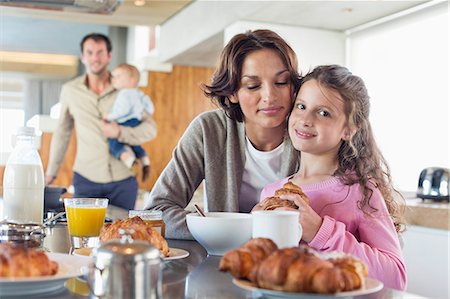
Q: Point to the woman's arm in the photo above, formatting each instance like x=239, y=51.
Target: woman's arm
x=176, y=185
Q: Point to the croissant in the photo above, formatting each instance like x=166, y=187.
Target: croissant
x=271, y=203
x=19, y=261
x=242, y=262
x=142, y=231
x=300, y=269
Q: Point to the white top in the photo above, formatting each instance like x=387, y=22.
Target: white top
x=261, y=168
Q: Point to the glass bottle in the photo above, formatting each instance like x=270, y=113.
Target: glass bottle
x=23, y=181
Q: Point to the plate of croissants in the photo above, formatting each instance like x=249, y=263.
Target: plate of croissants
x=30, y=271
x=144, y=232
x=259, y=266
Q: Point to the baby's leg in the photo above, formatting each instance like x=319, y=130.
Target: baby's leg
x=128, y=157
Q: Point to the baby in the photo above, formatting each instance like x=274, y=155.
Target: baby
x=127, y=111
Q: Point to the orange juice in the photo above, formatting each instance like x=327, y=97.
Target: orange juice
x=85, y=221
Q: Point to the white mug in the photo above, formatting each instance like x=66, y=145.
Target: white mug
x=283, y=227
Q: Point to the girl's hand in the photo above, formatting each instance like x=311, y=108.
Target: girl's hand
x=309, y=219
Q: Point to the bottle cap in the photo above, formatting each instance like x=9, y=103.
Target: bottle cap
x=27, y=131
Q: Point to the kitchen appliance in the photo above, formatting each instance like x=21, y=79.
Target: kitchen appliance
x=52, y=199
x=434, y=183
x=26, y=234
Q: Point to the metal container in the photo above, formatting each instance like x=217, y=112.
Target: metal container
x=27, y=234
x=126, y=269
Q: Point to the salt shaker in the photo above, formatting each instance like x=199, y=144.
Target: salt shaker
x=126, y=268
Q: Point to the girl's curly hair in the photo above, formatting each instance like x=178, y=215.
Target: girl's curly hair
x=360, y=159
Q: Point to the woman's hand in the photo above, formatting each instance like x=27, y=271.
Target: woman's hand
x=309, y=219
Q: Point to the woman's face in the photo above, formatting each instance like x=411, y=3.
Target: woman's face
x=317, y=124
x=265, y=91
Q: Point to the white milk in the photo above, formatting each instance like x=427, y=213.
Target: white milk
x=23, y=193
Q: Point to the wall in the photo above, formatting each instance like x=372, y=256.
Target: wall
x=312, y=46
x=178, y=99
x=404, y=63
x=27, y=34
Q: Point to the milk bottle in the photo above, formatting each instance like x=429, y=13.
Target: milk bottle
x=23, y=181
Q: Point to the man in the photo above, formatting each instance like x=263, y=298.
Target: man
x=83, y=101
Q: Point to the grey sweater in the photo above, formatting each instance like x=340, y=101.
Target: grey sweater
x=211, y=149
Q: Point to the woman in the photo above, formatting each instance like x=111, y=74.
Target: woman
x=241, y=147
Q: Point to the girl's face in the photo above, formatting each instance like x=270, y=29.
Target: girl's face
x=121, y=79
x=317, y=124
x=265, y=91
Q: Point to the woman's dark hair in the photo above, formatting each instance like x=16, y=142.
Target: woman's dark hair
x=97, y=37
x=360, y=160
x=226, y=80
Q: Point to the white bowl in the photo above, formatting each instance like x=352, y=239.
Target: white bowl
x=220, y=232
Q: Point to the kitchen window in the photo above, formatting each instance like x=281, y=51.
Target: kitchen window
x=12, y=114
x=404, y=63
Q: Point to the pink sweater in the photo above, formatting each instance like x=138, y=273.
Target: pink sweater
x=346, y=228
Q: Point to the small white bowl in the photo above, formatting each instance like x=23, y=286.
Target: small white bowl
x=220, y=232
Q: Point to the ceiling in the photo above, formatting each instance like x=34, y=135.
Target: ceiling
x=152, y=13
x=328, y=15
x=332, y=15
x=188, y=20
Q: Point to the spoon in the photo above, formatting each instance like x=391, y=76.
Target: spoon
x=199, y=210
x=51, y=219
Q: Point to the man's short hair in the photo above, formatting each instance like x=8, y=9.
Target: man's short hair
x=97, y=37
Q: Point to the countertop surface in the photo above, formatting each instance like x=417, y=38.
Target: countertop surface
x=195, y=276
x=427, y=213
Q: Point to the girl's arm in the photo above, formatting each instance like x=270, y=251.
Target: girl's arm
x=375, y=242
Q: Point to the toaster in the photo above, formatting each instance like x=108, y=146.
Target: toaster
x=434, y=183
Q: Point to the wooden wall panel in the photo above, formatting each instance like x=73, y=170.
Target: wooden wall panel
x=65, y=173
x=177, y=98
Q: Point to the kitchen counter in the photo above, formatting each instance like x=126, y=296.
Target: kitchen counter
x=427, y=213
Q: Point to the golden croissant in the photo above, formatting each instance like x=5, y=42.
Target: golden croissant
x=301, y=270
x=273, y=202
x=20, y=261
x=242, y=261
x=141, y=231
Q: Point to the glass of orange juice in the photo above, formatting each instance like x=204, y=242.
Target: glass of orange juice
x=85, y=218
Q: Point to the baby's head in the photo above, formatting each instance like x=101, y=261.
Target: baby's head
x=125, y=76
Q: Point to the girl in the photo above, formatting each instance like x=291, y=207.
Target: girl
x=243, y=146
x=344, y=174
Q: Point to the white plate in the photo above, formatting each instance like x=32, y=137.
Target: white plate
x=371, y=286
x=174, y=253
x=68, y=266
